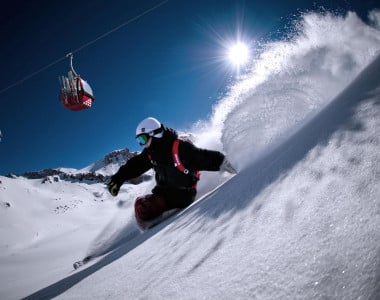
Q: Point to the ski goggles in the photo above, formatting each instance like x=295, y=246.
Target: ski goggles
x=143, y=139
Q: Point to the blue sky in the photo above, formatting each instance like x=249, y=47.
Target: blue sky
x=166, y=64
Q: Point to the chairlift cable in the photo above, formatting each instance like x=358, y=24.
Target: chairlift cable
x=120, y=26
x=32, y=74
x=83, y=46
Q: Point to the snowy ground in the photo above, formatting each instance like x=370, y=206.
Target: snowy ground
x=301, y=220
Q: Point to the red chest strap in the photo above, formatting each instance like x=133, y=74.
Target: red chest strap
x=178, y=164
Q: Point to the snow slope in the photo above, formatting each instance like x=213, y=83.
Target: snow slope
x=301, y=220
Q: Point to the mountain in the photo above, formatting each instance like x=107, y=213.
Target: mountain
x=99, y=172
x=109, y=164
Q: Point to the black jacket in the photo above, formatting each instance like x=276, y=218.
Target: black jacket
x=160, y=157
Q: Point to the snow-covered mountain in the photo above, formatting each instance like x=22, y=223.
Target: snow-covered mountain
x=98, y=172
x=301, y=219
x=109, y=164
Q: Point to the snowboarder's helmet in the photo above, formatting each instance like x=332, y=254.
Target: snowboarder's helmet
x=149, y=127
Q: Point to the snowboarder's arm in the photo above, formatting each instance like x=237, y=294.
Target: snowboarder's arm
x=133, y=168
x=200, y=159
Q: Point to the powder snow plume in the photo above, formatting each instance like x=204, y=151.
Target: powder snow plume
x=301, y=75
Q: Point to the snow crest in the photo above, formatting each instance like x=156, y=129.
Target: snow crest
x=288, y=83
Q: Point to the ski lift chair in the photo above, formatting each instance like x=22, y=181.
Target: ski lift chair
x=76, y=93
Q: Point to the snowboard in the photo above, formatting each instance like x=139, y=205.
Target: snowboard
x=146, y=225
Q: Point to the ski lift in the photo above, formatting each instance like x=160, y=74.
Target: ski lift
x=76, y=93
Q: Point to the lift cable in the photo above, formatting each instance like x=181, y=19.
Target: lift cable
x=83, y=46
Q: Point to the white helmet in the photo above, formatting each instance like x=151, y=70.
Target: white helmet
x=150, y=126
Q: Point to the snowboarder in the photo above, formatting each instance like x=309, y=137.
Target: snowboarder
x=176, y=164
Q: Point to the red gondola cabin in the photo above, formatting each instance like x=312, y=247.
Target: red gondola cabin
x=76, y=93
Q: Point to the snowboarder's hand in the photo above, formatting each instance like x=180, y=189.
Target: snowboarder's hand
x=113, y=188
x=227, y=167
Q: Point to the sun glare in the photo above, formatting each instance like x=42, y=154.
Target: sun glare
x=238, y=54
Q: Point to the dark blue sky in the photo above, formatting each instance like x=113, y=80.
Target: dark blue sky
x=165, y=64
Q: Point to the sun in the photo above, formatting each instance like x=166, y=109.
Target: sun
x=238, y=54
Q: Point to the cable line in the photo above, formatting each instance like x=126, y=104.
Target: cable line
x=32, y=74
x=84, y=46
x=120, y=26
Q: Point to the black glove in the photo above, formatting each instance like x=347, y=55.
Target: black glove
x=113, y=188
